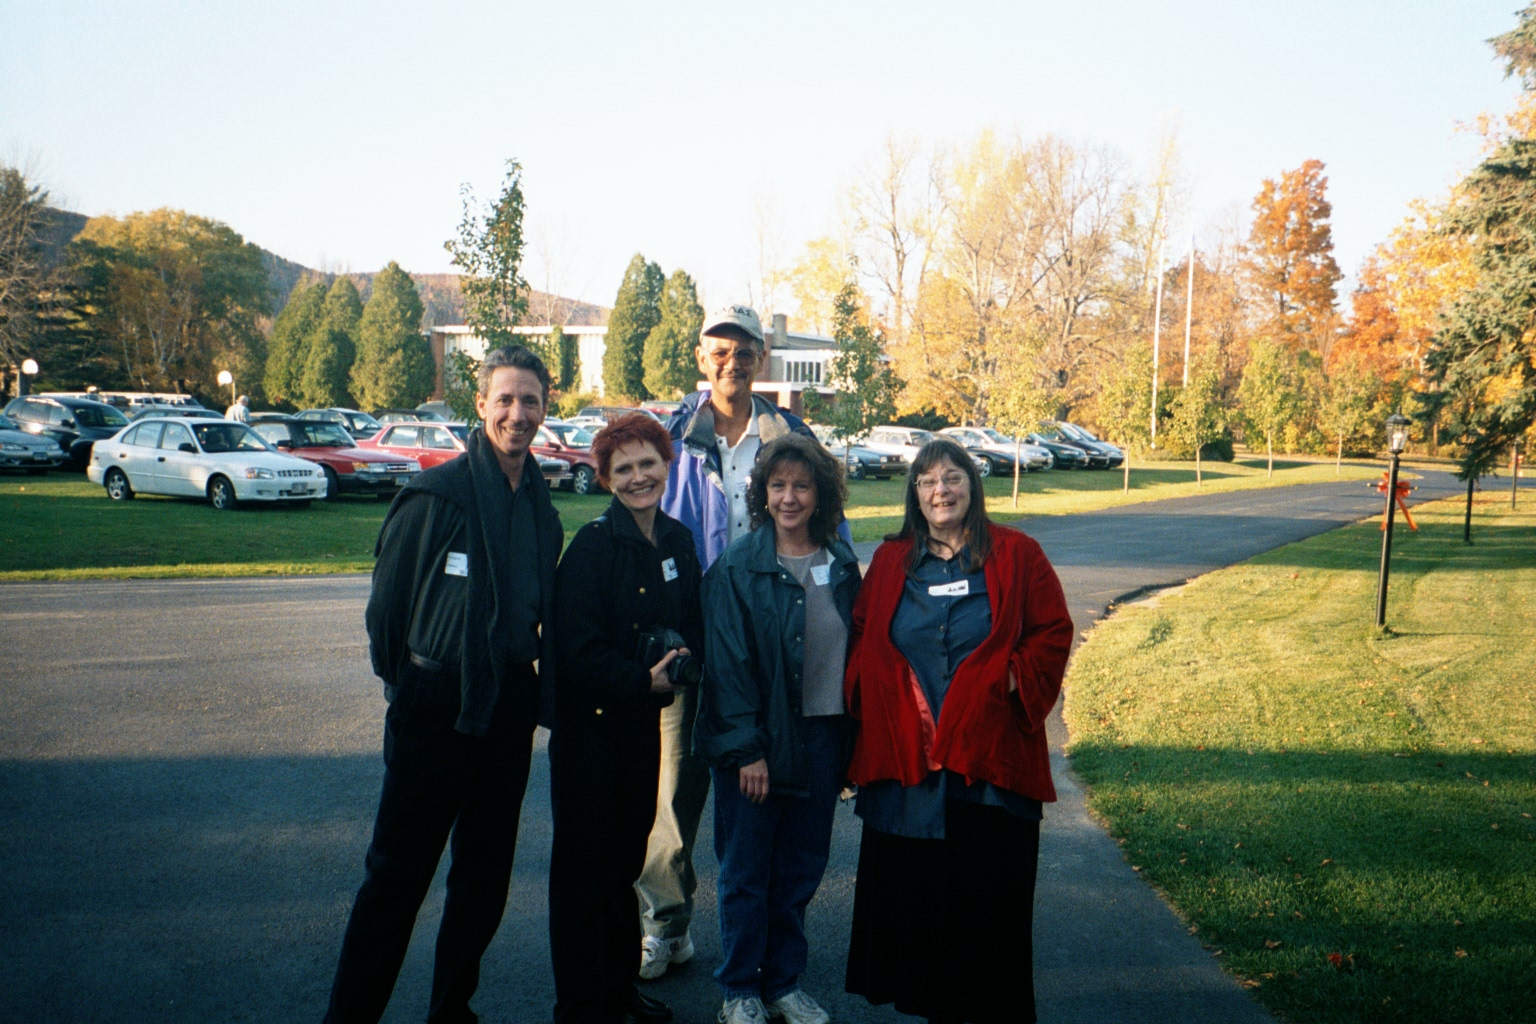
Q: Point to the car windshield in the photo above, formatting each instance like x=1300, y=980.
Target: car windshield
x=216, y=436
x=315, y=434
x=361, y=423
x=99, y=415
x=576, y=437
x=1075, y=432
x=997, y=435
x=459, y=430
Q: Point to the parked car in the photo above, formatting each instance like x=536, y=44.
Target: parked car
x=1100, y=455
x=609, y=413
x=408, y=416
x=860, y=461
x=358, y=424
x=431, y=444
x=74, y=424
x=582, y=462
x=221, y=460
x=138, y=412
x=348, y=468
x=664, y=410
x=1066, y=456
x=21, y=450
x=433, y=410
x=907, y=442
x=998, y=449
x=572, y=434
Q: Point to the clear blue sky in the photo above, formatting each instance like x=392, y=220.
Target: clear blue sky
x=337, y=135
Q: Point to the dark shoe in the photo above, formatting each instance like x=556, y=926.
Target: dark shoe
x=645, y=1010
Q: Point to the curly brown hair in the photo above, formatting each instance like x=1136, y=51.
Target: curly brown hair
x=826, y=474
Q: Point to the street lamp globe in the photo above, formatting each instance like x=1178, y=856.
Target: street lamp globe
x=1397, y=432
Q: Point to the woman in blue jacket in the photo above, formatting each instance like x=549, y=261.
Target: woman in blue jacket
x=777, y=607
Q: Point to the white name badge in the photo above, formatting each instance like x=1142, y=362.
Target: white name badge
x=456, y=564
x=820, y=574
x=959, y=588
x=669, y=570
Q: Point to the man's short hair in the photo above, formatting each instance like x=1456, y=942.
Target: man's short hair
x=735, y=319
x=515, y=356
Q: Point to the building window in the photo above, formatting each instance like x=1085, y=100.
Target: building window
x=802, y=372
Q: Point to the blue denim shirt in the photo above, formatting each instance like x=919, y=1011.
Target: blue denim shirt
x=935, y=632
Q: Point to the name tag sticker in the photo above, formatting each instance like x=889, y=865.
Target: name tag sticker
x=669, y=570
x=959, y=588
x=456, y=564
x=820, y=574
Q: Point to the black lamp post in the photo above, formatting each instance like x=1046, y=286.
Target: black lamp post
x=1397, y=440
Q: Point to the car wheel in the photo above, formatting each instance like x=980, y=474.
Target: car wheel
x=118, y=488
x=221, y=494
x=855, y=470
x=582, y=479
x=984, y=467
x=332, y=484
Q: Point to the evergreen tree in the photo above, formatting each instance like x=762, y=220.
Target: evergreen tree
x=636, y=311
x=563, y=357
x=489, y=250
x=859, y=373
x=671, y=370
x=1483, y=360
x=323, y=382
x=288, y=351
x=394, y=362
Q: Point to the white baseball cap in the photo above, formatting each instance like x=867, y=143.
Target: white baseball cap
x=743, y=318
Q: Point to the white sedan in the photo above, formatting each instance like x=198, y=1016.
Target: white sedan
x=221, y=460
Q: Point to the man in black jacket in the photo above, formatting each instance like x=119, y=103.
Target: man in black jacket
x=464, y=576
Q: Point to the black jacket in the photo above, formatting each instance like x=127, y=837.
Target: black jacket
x=437, y=615
x=612, y=586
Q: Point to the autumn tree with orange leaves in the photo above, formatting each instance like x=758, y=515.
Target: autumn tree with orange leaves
x=1290, y=259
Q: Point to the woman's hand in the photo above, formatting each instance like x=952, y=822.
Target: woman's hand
x=660, y=681
x=754, y=780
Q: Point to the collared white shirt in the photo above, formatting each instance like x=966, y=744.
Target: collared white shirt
x=735, y=472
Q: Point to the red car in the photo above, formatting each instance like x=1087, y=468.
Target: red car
x=348, y=468
x=582, y=462
x=434, y=443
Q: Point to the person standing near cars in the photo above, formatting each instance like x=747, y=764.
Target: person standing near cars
x=718, y=432
x=464, y=577
x=777, y=608
x=628, y=635
x=240, y=411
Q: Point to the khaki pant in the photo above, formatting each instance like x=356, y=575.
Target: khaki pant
x=667, y=881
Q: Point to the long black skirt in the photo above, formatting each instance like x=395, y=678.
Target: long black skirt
x=942, y=927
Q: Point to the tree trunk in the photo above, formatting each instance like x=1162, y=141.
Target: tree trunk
x=1269, y=451
x=1466, y=526
x=1338, y=459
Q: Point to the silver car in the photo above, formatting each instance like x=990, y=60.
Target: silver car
x=221, y=460
x=21, y=450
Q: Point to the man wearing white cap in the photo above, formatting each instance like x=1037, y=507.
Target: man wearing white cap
x=717, y=434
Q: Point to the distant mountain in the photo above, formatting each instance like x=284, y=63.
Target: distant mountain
x=439, y=293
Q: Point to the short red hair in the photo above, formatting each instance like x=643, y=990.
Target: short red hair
x=636, y=426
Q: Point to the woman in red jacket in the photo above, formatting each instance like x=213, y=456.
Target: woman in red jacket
x=959, y=643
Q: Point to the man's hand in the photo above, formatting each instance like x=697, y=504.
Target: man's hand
x=754, y=780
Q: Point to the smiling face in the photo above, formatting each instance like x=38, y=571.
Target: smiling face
x=943, y=496
x=637, y=475
x=791, y=494
x=729, y=361
x=512, y=408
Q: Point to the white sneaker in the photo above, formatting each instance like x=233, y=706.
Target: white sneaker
x=656, y=954
x=742, y=1010
x=795, y=1007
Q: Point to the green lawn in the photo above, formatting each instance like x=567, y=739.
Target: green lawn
x=1344, y=816
x=60, y=526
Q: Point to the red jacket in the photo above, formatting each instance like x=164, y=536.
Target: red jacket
x=983, y=731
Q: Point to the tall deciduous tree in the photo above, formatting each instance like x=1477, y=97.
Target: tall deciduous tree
x=1270, y=394
x=671, y=370
x=636, y=311
x=1125, y=404
x=288, y=349
x=864, y=385
x=394, y=362
x=181, y=295
x=1291, y=258
x=23, y=207
x=489, y=252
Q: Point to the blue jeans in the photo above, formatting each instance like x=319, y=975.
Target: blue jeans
x=772, y=856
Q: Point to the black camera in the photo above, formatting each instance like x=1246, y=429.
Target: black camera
x=684, y=670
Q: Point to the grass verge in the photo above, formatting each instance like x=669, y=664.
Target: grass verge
x=1343, y=815
x=60, y=526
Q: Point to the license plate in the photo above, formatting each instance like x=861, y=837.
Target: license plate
x=298, y=489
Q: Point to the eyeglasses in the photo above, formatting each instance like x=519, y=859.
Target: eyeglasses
x=951, y=481
x=723, y=356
